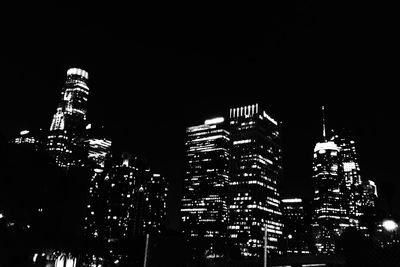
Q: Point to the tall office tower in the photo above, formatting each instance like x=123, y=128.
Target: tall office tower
x=329, y=202
x=65, y=142
x=155, y=193
x=351, y=174
x=204, y=209
x=254, y=186
x=297, y=237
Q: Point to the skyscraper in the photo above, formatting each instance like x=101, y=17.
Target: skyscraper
x=297, y=238
x=67, y=128
x=204, y=209
x=351, y=175
x=254, y=202
x=329, y=203
x=155, y=193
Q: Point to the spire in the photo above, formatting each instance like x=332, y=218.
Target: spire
x=323, y=124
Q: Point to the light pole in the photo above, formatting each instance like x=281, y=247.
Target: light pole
x=287, y=242
x=265, y=245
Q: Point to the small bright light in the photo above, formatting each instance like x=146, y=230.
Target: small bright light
x=24, y=132
x=290, y=236
x=1, y=215
x=389, y=225
x=292, y=200
x=214, y=121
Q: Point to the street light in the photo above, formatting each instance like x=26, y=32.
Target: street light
x=390, y=225
x=289, y=236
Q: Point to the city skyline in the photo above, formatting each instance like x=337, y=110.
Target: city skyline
x=292, y=185
x=100, y=164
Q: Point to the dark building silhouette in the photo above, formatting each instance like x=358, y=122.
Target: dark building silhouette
x=126, y=202
x=297, y=236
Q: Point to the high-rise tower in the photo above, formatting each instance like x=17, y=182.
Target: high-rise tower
x=254, y=187
x=204, y=209
x=329, y=202
x=67, y=128
x=351, y=175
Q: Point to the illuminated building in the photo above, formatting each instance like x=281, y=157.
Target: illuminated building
x=155, y=193
x=126, y=201
x=256, y=173
x=124, y=198
x=329, y=203
x=369, y=194
x=204, y=209
x=31, y=139
x=351, y=175
x=369, y=212
x=68, y=125
x=99, y=150
x=297, y=238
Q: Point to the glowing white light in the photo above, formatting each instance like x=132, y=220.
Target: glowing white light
x=292, y=200
x=1, y=215
x=214, y=121
x=24, y=132
x=70, y=262
x=372, y=183
x=326, y=146
x=290, y=236
x=349, y=166
x=89, y=126
x=60, y=261
x=76, y=71
x=389, y=225
x=270, y=118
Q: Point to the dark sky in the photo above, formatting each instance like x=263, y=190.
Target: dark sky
x=155, y=70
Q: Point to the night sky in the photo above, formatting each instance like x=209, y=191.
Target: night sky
x=154, y=71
